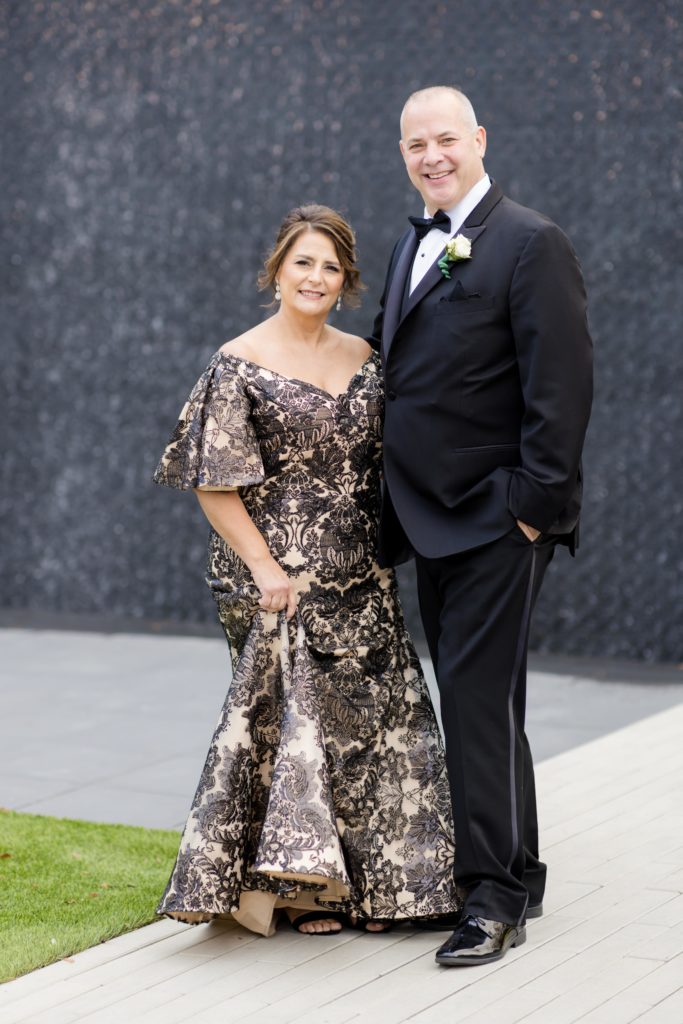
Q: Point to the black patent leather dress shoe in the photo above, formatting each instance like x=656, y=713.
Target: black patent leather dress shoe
x=442, y=923
x=476, y=940
x=534, y=910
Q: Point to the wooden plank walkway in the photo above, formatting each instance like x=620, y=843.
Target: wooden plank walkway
x=609, y=949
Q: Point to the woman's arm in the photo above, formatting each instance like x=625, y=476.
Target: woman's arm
x=226, y=512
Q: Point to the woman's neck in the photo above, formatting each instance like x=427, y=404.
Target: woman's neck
x=309, y=331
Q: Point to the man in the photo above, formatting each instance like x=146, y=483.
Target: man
x=488, y=371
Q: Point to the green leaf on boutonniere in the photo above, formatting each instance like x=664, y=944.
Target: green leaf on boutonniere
x=458, y=248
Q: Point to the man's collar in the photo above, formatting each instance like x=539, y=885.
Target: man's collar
x=462, y=209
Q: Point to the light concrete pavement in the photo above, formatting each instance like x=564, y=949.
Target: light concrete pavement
x=115, y=727
x=609, y=949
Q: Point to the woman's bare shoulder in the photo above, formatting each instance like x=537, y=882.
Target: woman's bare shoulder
x=354, y=344
x=244, y=346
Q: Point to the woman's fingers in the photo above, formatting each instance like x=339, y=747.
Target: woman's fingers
x=292, y=602
x=276, y=590
x=281, y=600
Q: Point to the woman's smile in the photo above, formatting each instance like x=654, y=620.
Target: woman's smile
x=308, y=293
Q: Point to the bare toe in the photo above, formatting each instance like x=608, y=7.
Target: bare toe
x=321, y=927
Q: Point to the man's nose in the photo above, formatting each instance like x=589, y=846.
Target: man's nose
x=432, y=153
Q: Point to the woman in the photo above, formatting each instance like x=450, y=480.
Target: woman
x=325, y=788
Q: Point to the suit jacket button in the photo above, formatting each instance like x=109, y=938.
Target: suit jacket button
x=391, y=395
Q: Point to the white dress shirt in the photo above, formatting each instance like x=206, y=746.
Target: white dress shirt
x=434, y=241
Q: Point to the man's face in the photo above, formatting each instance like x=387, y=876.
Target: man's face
x=443, y=154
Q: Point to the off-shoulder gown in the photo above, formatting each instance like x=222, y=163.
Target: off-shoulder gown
x=325, y=782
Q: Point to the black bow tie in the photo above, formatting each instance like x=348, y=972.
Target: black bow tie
x=422, y=225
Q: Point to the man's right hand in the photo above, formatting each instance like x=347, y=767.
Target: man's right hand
x=530, y=532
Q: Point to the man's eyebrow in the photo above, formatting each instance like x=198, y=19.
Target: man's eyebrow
x=439, y=135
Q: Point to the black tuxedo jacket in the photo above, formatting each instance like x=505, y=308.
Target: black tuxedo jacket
x=488, y=381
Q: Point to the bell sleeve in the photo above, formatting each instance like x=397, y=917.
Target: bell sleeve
x=214, y=445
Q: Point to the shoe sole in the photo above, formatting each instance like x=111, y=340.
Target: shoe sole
x=490, y=958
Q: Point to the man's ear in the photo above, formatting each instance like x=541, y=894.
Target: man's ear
x=481, y=140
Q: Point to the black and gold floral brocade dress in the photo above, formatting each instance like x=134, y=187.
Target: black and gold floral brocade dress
x=325, y=783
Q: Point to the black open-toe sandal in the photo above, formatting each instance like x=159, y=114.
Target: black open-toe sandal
x=317, y=915
x=361, y=924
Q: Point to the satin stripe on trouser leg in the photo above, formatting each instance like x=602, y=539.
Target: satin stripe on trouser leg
x=476, y=608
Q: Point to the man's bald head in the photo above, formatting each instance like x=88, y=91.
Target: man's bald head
x=465, y=109
x=442, y=145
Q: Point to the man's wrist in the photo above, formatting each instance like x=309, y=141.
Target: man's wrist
x=529, y=531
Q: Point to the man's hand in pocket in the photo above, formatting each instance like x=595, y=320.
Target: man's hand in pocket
x=529, y=531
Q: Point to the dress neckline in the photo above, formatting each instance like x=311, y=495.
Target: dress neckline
x=298, y=380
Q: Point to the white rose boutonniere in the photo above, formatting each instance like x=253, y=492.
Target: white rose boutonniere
x=458, y=248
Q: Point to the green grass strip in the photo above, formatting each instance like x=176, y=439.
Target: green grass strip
x=67, y=885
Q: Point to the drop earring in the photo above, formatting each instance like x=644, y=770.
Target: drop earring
x=277, y=291
x=339, y=302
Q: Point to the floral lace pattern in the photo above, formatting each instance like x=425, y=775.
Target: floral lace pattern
x=326, y=772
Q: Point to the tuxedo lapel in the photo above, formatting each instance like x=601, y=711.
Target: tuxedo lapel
x=394, y=300
x=396, y=310
x=483, y=209
x=434, y=275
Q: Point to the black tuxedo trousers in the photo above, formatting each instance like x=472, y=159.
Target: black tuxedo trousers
x=476, y=608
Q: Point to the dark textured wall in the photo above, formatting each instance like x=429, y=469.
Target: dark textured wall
x=150, y=151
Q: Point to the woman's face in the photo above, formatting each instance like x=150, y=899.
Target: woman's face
x=310, y=275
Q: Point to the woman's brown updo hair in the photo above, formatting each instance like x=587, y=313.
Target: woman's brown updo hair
x=328, y=222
